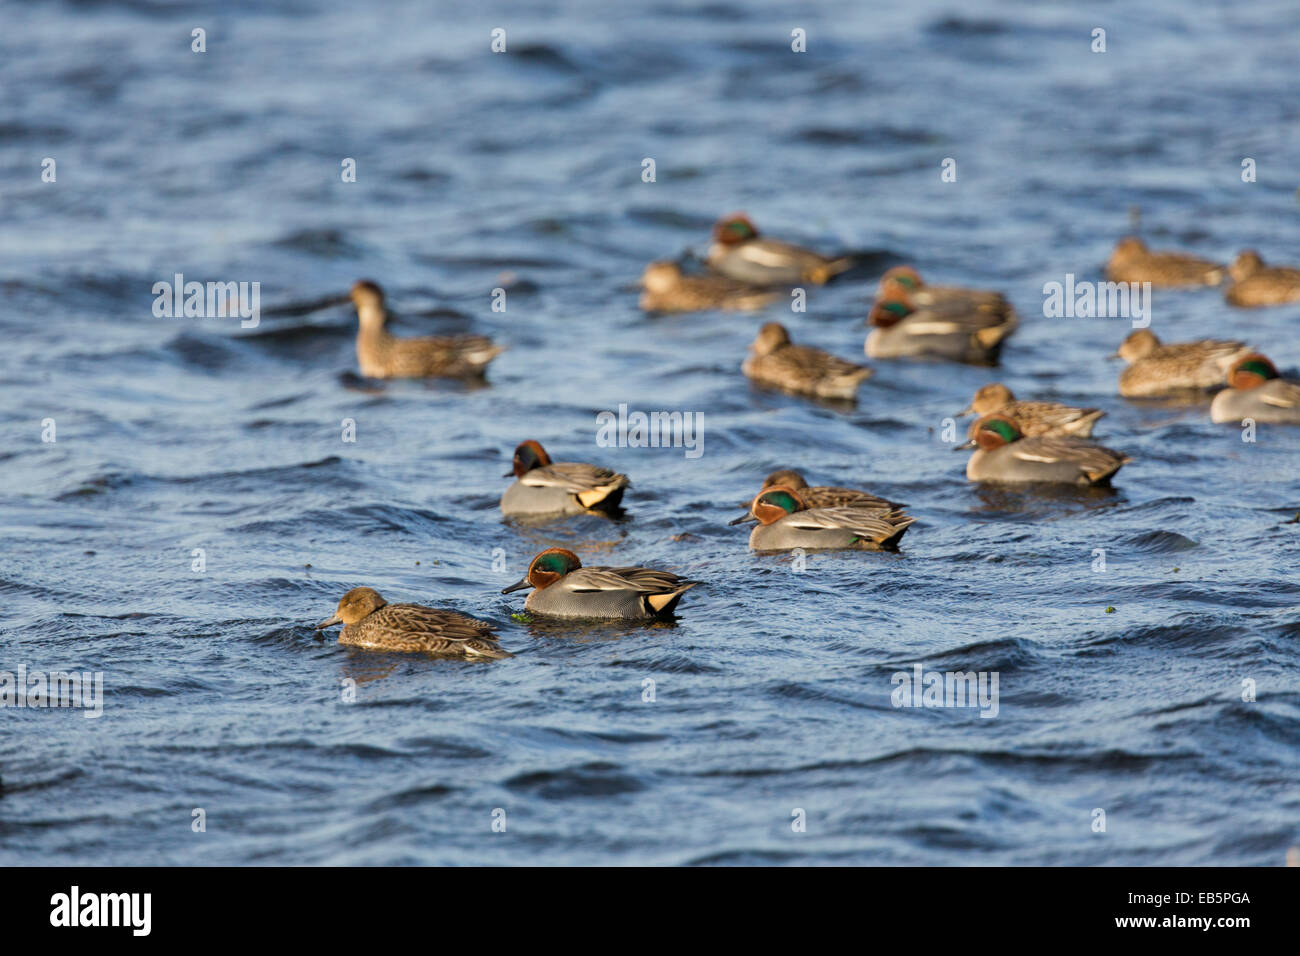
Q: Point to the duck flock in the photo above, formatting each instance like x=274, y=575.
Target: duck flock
x=1013, y=441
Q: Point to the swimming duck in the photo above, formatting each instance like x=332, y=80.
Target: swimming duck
x=785, y=521
x=923, y=295
x=370, y=621
x=818, y=496
x=667, y=289
x=1131, y=261
x=1255, y=284
x=562, y=587
x=738, y=251
x=1002, y=454
x=1155, y=369
x=1256, y=392
x=1047, y=419
x=953, y=330
x=566, y=487
x=382, y=355
x=775, y=361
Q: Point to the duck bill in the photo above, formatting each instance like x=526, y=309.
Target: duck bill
x=968, y=410
x=517, y=586
x=742, y=520
x=508, y=474
x=1112, y=356
x=329, y=622
x=970, y=444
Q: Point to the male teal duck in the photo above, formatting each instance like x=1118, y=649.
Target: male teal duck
x=739, y=252
x=1131, y=261
x=954, y=330
x=562, y=587
x=785, y=521
x=1255, y=391
x=567, y=487
x=370, y=621
x=383, y=355
x=775, y=361
x=668, y=289
x=1156, y=370
x=1255, y=284
x=817, y=496
x=1002, y=454
x=1036, y=419
x=923, y=295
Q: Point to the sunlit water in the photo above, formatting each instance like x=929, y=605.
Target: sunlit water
x=523, y=171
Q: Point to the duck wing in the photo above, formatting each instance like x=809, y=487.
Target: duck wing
x=414, y=621
x=1280, y=393
x=875, y=524
x=1095, y=461
x=574, y=477
x=639, y=580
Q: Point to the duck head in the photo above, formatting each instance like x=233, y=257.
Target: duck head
x=905, y=276
x=771, y=336
x=528, y=455
x=354, y=605
x=1137, y=345
x=991, y=432
x=989, y=398
x=887, y=311
x=1251, y=371
x=660, y=277
x=1128, y=248
x=369, y=300
x=773, y=504
x=786, y=478
x=1247, y=263
x=734, y=229
x=547, y=568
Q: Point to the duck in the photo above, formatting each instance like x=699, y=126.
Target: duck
x=924, y=295
x=801, y=369
x=371, y=622
x=1155, y=369
x=818, y=496
x=668, y=289
x=383, y=355
x=1003, y=454
x=953, y=330
x=1255, y=391
x=1131, y=261
x=785, y=521
x=1255, y=284
x=739, y=252
x=562, y=587
x=1036, y=419
x=568, y=487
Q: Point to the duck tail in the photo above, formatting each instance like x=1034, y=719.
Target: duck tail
x=991, y=337
x=823, y=273
x=665, y=602
x=1103, y=477
x=900, y=529
x=488, y=650
x=607, y=495
x=482, y=356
